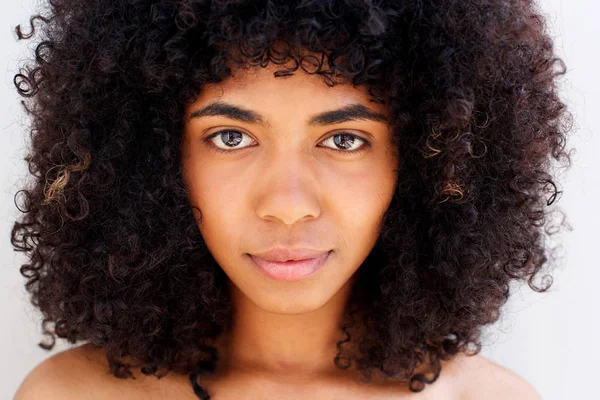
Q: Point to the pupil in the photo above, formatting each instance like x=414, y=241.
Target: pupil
x=228, y=142
x=337, y=141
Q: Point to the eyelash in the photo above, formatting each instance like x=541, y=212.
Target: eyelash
x=360, y=150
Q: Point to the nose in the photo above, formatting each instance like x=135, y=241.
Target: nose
x=289, y=189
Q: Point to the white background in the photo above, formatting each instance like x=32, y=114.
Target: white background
x=550, y=339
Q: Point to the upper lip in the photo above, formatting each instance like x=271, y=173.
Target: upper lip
x=281, y=254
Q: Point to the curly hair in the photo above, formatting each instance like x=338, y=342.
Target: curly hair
x=115, y=257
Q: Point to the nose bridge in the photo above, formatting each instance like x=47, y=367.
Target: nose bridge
x=289, y=186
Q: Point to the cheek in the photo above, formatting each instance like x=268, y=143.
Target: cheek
x=360, y=200
x=208, y=188
x=222, y=224
x=219, y=206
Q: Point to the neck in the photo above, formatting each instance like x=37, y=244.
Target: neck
x=289, y=345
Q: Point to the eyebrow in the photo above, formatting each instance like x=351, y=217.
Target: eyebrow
x=351, y=112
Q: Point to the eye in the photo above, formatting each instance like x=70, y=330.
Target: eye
x=348, y=140
x=231, y=137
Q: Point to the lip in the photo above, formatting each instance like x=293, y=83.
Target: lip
x=290, y=270
x=281, y=254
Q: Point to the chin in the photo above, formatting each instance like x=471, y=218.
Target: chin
x=294, y=305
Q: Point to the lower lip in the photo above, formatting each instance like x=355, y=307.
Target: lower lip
x=290, y=270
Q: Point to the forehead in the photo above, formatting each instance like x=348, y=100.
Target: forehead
x=259, y=87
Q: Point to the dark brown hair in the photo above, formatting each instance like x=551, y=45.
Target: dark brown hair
x=115, y=255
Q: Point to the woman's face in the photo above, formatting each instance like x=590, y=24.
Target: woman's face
x=287, y=181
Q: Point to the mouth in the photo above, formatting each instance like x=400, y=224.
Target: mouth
x=292, y=270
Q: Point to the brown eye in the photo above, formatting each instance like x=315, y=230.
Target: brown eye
x=226, y=138
x=231, y=138
x=349, y=141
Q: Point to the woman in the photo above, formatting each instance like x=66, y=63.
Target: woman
x=281, y=199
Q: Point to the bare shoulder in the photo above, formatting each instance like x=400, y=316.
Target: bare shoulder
x=481, y=378
x=78, y=373
x=83, y=373
x=61, y=376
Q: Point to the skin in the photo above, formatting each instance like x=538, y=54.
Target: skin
x=81, y=373
x=289, y=185
x=285, y=189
